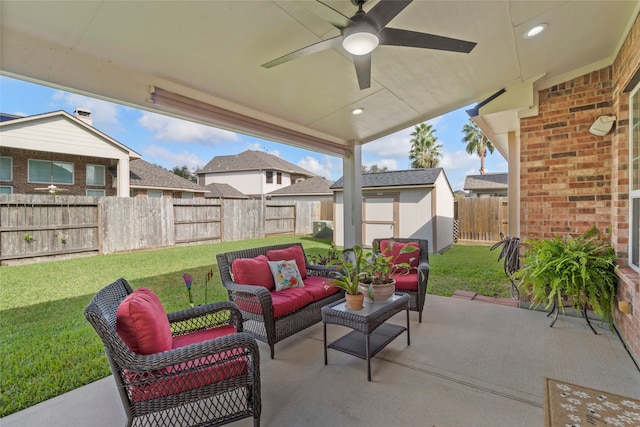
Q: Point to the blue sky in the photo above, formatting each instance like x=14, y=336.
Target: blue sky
x=170, y=142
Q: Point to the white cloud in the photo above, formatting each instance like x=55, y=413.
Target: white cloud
x=458, y=160
x=165, y=128
x=327, y=167
x=104, y=114
x=161, y=156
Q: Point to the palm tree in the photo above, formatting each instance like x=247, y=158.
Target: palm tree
x=477, y=142
x=424, y=147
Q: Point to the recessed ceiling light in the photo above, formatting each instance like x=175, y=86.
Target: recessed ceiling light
x=357, y=111
x=535, y=31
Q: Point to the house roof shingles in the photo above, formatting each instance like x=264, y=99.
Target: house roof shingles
x=488, y=181
x=396, y=178
x=219, y=190
x=252, y=160
x=146, y=175
x=316, y=185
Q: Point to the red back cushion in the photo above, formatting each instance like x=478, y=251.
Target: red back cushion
x=294, y=252
x=387, y=248
x=253, y=271
x=142, y=323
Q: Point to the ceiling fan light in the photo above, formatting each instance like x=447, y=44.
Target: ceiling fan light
x=360, y=43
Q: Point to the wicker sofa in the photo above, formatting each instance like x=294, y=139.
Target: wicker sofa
x=272, y=315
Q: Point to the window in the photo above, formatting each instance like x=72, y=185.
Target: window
x=634, y=181
x=95, y=175
x=6, y=189
x=46, y=172
x=95, y=193
x=187, y=195
x=154, y=194
x=6, y=169
x=279, y=177
x=269, y=177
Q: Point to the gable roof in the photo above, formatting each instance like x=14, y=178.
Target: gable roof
x=19, y=120
x=316, y=185
x=402, y=178
x=252, y=160
x=146, y=175
x=219, y=190
x=488, y=181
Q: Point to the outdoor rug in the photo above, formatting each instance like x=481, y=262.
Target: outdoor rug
x=568, y=405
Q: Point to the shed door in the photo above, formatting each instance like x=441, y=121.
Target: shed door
x=380, y=216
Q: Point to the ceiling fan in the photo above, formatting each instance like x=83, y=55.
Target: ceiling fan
x=52, y=189
x=364, y=31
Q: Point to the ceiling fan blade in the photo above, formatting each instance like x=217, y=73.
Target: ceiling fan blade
x=396, y=37
x=363, y=70
x=317, y=47
x=327, y=13
x=386, y=10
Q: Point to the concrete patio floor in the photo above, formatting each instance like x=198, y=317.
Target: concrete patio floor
x=470, y=363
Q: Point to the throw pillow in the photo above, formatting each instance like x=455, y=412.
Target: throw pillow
x=253, y=271
x=294, y=252
x=393, y=249
x=286, y=274
x=142, y=323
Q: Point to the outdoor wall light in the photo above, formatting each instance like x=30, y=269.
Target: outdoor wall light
x=535, y=31
x=360, y=40
x=602, y=125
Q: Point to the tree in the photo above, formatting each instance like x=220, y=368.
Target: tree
x=476, y=142
x=424, y=147
x=373, y=168
x=185, y=172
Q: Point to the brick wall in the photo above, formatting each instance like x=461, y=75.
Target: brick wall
x=79, y=187
x=571, y=179
x=565, y=170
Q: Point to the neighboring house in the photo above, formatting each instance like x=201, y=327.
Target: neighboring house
x=60, y=150
x=410, y=203
x=223, y=191
x=487, y=185
x=67, y=152
x=312, y=189
x=254, y=173
x=151, y=181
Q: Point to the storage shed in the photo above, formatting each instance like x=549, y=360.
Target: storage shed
x=414, y=203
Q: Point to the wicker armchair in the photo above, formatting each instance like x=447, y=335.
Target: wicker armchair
x=417, y=291
x=204, y=383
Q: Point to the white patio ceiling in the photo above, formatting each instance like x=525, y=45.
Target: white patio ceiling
x=212, y=51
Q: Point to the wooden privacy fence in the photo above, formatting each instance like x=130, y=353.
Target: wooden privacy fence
x=35, y=226
x=481, y=219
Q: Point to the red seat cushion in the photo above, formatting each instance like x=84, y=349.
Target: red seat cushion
x=406, y=282
x=289, y=300
x=187, y=376
x=316, y=287
x=393, y=249
x=294, y=252
x=142, y=323
x=253, y=271
x=199, y=336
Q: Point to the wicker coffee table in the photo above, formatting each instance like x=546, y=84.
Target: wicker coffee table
x=370, y=332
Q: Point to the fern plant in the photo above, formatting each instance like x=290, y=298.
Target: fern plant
x=581, y=269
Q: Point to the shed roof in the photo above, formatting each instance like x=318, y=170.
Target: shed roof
x=252, y=160
x=316, y=185
x=488, y=181
x=218, y=190
x=399, y=178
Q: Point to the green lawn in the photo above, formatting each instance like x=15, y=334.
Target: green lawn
x=48, y=348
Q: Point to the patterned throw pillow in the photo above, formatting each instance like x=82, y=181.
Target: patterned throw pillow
x=286, y=274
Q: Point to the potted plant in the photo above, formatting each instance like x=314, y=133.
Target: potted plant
x=581, y=270
x=346, y=277
x=376, y=278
